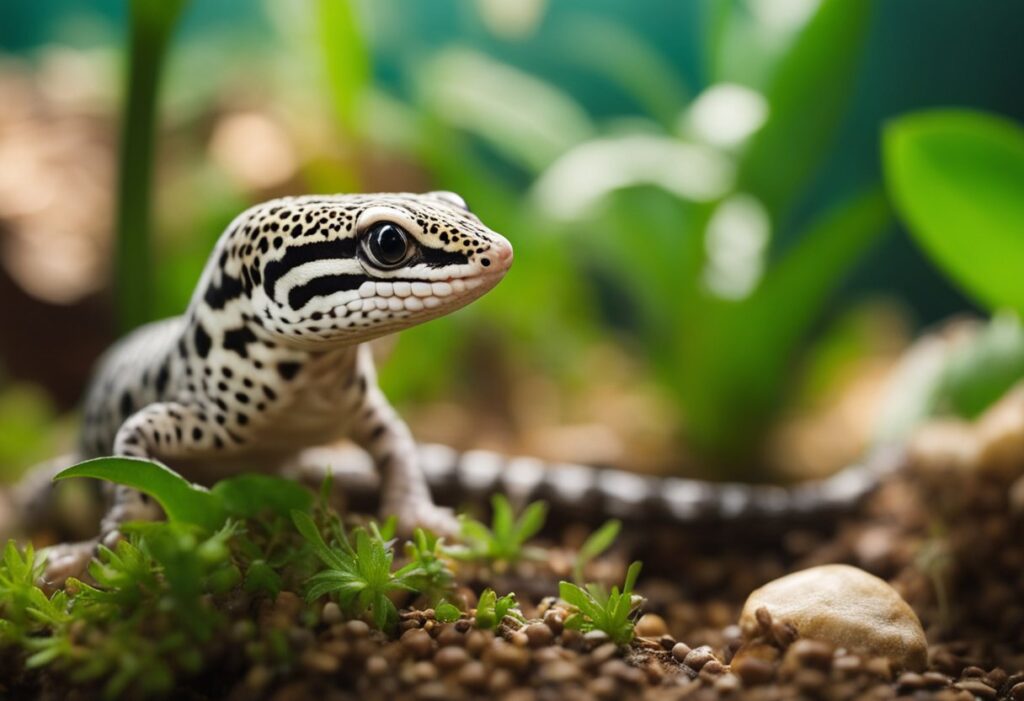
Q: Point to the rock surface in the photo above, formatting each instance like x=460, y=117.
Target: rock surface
x=844, y=606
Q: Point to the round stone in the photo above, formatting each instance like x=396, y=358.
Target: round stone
x=846, y=607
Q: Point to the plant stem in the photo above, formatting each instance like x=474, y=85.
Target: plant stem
x=151, y=25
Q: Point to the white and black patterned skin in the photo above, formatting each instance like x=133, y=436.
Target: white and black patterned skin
x=269, y=358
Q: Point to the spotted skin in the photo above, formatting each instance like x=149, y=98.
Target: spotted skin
x=270, y=357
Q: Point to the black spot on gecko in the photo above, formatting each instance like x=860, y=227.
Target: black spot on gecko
x=162, y=377
x=202, y=340
x=127, y=405
x=236, y=340
x=219, y=295
x=288, y=370
x=197, y=434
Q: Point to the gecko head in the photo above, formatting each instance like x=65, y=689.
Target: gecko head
x=348, y=268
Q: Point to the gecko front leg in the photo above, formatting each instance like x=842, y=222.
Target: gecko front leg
x=381, y=432
x=160, y=431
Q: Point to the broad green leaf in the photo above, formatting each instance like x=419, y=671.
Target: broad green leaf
x=957, y=180
x=806, y=97
x=181, y=500
x=248, y=495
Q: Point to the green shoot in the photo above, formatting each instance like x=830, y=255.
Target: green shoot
x=596, y=609
x=505, y=540
x=433, y=577
x=358, y=575
x=447, y=612
x=492, y=610
x=599, y=541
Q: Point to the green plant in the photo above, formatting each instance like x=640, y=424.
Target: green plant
x=432, y=576
x=447, y=612
x=359, y=575
x=151, y=24
x=699, y=270
x=491, y=609
x=505, y=540
x=597, y=609
x=185, y=502
x=595, y=544
x=955, y=177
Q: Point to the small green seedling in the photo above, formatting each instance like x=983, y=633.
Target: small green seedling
x=599, y=541
x=491, y=610
x=447, y=612
x=433, y=577
x=359, y=576
x=505, y=540
x=596, y=609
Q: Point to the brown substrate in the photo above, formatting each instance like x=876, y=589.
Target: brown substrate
x=951, y=543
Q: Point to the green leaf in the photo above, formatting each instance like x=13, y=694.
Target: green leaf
x=181, y=500
x=447, y=613
x=728, y=389
x=531, y=521
x=261, y=578
x=247, y=496
x=304, y=525
x=598, y=541
x=957, y=179
x=806, y=97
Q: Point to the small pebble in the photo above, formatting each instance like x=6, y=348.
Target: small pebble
x=331, y=613
x=451, y=657
x=357, y=629
x=519, y=639
x=500, y=680
x=727, y=684
x=667, y=642
x=450, y=636
x=623, y=672
x=432, y=691
x=558, y=672
x=320, y=662
x=604, y=688
x=977, y=688
x=473, y=676
x=651, y=625
x=1017, y=692
x=376, y=666
x=424, y=671
x=417, y=642
x=509, y=656
x=602, y=653
x=539, y=634
x=555, y=621
x=680, y=651
x=753, y=671
x=698, y=657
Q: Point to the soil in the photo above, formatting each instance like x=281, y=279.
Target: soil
x=951, y=543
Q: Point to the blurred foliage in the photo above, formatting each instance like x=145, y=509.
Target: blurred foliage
x=151, y=23
x=692, y=232
x=957, y=178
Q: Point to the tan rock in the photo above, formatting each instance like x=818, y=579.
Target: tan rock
x=844, y=606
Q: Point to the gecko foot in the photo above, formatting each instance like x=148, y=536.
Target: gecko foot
x=423, y=514
x=66, y=560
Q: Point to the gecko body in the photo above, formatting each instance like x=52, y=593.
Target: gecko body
x=271, y=356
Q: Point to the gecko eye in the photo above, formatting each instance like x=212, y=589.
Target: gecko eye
x=387, y=245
